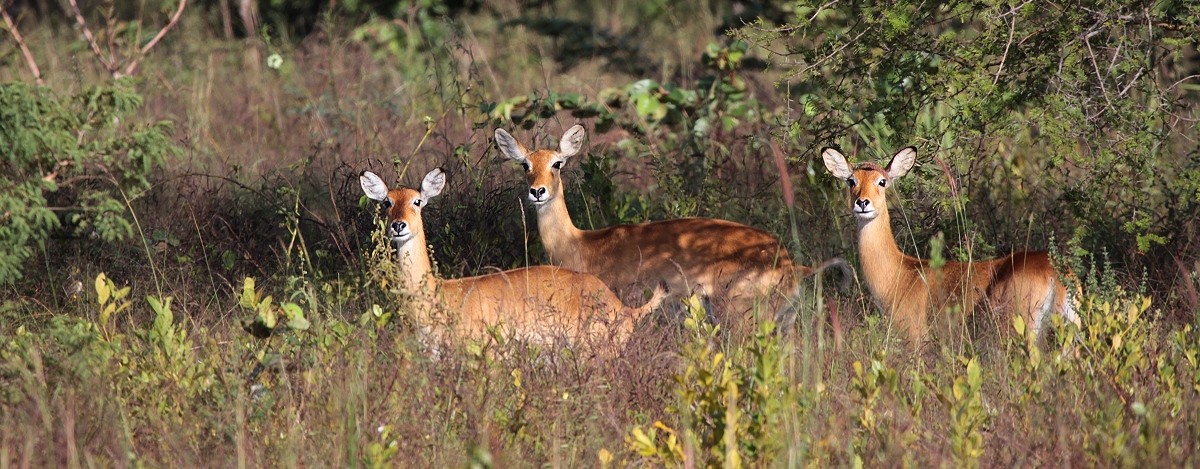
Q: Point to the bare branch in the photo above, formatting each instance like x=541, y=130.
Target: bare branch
x=831, y=54
x=87, y=33
x=1099, y=78
x=1011, y=28
x=12, y=28
x=153, y=42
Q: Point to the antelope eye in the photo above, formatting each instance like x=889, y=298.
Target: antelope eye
x=417, y=202
x=883, y=183
x=557, y=165
x=387, y=203
x=851, y=182
x=525, y=165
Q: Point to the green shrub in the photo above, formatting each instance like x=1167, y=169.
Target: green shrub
x=71, y=160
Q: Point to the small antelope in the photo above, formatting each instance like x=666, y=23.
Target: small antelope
x=538, y=304
x=908, y=289
x=731, y=263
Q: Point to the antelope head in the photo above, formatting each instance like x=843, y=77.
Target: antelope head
x=868, y=181
x=404, y=205
x=542, y=167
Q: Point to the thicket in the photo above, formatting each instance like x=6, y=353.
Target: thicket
x=233, y=306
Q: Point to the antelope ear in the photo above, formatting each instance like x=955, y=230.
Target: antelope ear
x=375, y=188
x=836, y=163
x=902, y=162
x=433, y=184
x=510, y=147
x=572, y=141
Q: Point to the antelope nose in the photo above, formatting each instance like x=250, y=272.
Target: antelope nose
x=398, y=227
x=862, y=203
x=537, y=193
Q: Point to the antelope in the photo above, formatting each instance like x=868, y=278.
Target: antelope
x=908, y=289
x=538, y=304
x=736, y=265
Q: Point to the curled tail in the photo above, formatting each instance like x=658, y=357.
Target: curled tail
x=656, y=299
x=847, y=271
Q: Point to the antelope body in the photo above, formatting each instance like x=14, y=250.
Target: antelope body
x=733, y=264
x=538, y=304
x=908, y=289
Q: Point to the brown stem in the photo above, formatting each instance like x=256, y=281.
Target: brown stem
x=87, y=33
x=153, y=42
x=12, y=28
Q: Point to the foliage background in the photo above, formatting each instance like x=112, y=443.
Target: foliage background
x=234, y=152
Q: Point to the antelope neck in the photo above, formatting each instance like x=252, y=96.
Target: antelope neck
x=882, y=261
x=414, y=263
x=559, y=234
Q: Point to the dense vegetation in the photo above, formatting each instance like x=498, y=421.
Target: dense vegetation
x=192, y=275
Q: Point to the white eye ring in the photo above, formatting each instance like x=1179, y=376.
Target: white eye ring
x=417, y=202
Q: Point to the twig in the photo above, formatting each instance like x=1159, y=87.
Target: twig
x=12, y=28
x=1011, y=29
x=1099, y=78
x=110, y=63
x=87, y=33
x=831, y=54
x=153, y=42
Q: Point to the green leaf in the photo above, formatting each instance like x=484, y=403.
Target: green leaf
x=295, y=315
x=646, y=105
x=974, y=373
x=298, y=324
x=163, y=318
x=228, y=258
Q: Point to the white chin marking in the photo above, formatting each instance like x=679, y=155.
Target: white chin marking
x=865, y=215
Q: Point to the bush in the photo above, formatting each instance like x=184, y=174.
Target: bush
x=71, y=161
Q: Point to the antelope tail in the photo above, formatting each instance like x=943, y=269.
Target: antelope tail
x=660, y=294
x=847, y=271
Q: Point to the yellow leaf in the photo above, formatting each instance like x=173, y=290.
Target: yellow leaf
x=606, y=457
x=249, y=299
x=1019, y=324
x=102, y=290
x=1132, y=314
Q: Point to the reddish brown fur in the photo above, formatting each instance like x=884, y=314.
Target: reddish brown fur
x=538, y=304
x=908, y=289
x=735, y=265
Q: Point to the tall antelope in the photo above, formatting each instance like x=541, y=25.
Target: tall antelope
x=731, y=264
x=538, y=304
x=908, y=289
